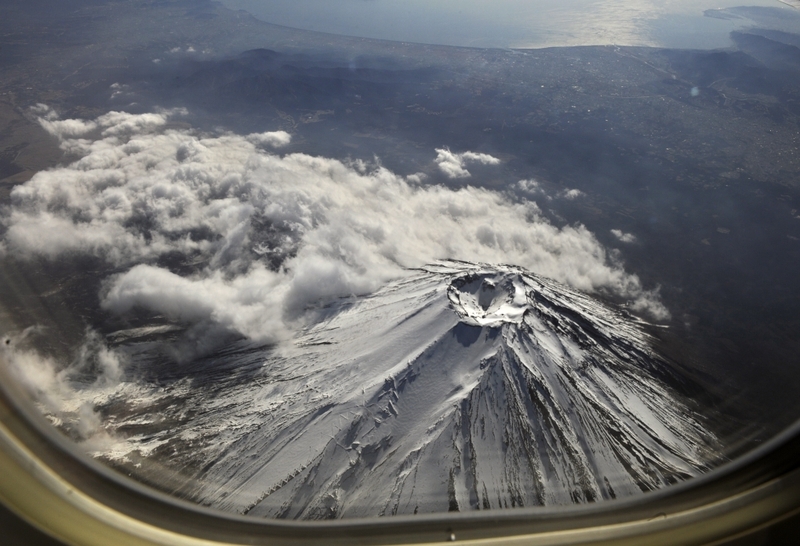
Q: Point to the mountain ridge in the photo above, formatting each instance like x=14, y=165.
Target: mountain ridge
x=463, y=386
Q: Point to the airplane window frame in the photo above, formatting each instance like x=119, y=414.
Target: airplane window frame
x=50, y=482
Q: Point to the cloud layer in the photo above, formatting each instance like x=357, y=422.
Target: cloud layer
x=267, y=235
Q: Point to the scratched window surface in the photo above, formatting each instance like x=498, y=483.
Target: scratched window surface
x=316, y=260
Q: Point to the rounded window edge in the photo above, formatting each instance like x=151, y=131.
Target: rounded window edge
x=48, y=482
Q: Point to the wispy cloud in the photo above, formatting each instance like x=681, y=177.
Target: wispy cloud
x=623, y=237
x=571, y=195
x=453, y=164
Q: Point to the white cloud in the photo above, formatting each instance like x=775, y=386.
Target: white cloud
x=271, y=235
x=245, y=303
x=122, y=123
x=623, y=237
x=67, y=389
x=648, y=303
x=452, y=164
x=62, y=391
x=67, y=127
x=275, y=139
x=571, y=194
x=530, y=187
x=118, y=90
x=110, y=124
x=43, y=111
x=417, y=178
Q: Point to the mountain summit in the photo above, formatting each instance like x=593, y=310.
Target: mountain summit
x=462, y=386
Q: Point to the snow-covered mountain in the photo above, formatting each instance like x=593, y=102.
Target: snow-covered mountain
x=460, y=387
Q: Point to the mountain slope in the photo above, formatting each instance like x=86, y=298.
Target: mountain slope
x=463, y=386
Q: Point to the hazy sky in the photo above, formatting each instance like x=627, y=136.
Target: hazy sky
x=511, y=23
